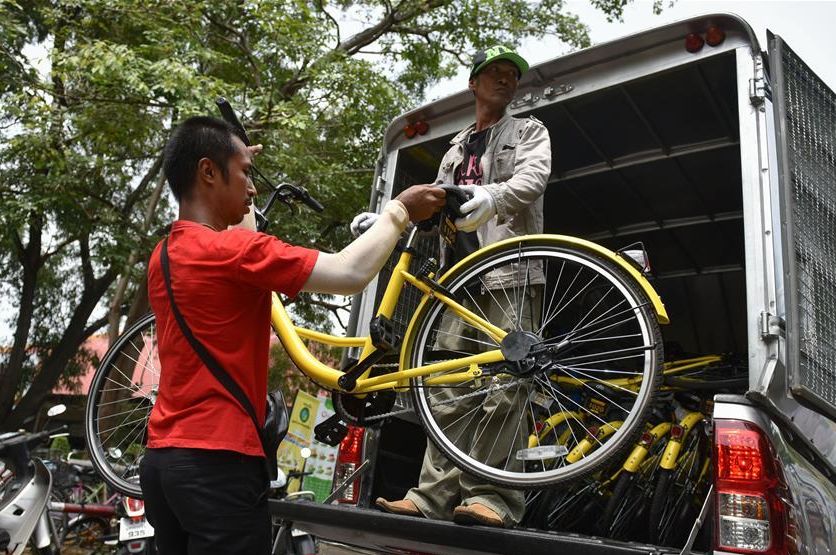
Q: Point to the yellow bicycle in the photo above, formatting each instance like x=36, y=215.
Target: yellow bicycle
x=514, y=334
x=563, y=310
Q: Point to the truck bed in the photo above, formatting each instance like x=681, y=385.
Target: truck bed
x=387, y=533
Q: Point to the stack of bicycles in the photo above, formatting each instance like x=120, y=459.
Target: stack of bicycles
x=654, y=494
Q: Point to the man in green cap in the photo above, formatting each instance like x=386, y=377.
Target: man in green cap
x=504, y=164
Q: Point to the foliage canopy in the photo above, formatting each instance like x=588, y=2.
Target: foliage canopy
x=89, y=93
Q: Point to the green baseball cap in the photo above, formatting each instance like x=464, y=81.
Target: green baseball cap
x=494, y=53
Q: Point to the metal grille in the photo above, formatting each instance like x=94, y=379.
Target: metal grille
x=808, y=109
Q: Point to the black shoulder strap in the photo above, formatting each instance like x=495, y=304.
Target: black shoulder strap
x=207, y=358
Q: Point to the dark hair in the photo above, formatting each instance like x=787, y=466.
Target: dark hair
x=197, y=137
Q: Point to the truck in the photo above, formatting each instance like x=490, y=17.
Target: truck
x=718, y=158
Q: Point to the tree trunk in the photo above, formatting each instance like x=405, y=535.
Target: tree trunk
x=115, y=312
x=10, y=373
x=74, y=337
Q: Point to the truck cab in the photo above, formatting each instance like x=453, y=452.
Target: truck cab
x=718, y=157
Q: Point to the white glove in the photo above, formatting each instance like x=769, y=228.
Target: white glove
x=362, y=222
x=479, y=209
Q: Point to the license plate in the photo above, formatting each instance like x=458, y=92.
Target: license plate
x=134, y=529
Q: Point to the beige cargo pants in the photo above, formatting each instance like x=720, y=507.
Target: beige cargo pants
x=490, y=427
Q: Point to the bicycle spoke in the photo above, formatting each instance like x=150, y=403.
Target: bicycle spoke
x=641, y=348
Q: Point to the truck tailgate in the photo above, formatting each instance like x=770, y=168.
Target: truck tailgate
x=389, y=533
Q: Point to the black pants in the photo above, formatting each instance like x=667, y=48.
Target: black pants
x=203, y=501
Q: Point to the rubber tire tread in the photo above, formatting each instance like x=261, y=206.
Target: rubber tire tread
x=97, y=457
x=628, y=440
x=625, y=480
x=660, y=495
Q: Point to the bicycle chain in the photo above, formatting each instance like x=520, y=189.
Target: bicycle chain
x=448, y=402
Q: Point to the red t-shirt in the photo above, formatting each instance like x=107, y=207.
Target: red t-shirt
x=222, y=282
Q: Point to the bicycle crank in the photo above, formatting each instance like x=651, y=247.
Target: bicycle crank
x=366, y=410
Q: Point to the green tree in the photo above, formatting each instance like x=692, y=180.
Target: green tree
x=90, y=90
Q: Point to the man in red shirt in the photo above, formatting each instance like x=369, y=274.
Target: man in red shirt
x=203, y=477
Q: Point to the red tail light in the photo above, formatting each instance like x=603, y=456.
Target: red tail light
x=714, y=36
x=410, y=131
x=694, y=42
x=752, y=516
x=348, y=460
x=134, y=507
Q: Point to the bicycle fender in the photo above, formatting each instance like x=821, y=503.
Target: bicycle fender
x=584, y=245
x=634, y=461
x=670, y=456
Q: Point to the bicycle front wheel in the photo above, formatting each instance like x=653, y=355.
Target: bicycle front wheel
x=583, y=350
x=119, y=402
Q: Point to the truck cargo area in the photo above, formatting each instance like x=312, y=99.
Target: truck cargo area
x=652, y=163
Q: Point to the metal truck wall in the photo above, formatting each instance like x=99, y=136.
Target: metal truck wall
x=805, y=112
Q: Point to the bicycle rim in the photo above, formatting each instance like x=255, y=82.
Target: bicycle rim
x=119, y=403
x=589, y=323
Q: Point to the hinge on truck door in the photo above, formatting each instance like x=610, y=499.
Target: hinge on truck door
x=757, y=85
x=527, y=98
x=772, y=327
x=757, y=91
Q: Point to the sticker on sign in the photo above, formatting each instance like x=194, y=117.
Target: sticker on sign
x=134, y=529
x=542, y=452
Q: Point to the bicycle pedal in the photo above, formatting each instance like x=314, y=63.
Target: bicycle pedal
x=382, y=332
x=331, y=431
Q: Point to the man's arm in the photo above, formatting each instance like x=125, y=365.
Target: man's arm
x=532, y=167
x=350, y=270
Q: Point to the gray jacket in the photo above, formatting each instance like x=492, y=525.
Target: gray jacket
x=516, y=166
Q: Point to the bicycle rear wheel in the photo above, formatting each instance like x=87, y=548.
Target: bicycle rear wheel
x=119, y=402
x=583, y=347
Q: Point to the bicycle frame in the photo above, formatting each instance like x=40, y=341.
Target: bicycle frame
x=291, y=337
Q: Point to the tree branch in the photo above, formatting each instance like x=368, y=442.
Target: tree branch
x=86, y=265
x=329, y=16
x=143, y=184
x=94, y=326
x=243, y=45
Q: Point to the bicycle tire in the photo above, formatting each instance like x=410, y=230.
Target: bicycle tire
x=616, y=501
x=114, y=395
x=661, y=525
x=422, y=343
